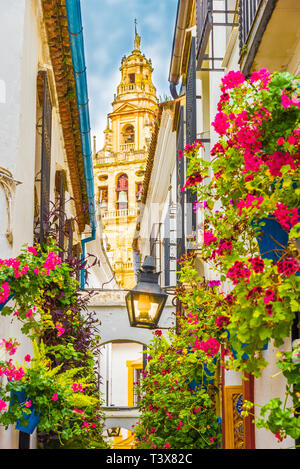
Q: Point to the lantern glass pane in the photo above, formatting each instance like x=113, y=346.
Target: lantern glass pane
x=146, y=307
x=129, y=307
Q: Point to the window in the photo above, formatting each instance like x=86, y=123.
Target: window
x=132, y=77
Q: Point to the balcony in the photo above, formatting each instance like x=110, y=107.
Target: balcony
x=119, y=214
x=120, y=158
x=211, y=14
x=269, y=35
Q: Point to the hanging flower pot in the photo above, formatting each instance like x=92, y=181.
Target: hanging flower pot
x=245, y=356
x=207, y=378
x=32, y=418
x=5, y=302
x=272, y=239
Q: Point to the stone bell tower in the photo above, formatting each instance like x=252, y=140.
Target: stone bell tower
x=119, y=167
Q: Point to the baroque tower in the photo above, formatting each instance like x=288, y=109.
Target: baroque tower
x=119, y=167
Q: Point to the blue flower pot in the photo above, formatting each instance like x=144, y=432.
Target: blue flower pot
x=272, y=239
x=194, y=385
x=245, y=356
x=5, y=302
x=32, y=418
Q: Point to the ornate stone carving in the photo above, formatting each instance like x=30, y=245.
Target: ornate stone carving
x=8, y=184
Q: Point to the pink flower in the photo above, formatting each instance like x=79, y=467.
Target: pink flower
x=32, y=250
x=196, y=206
x=10, y=345
x=51, y=262
x=292, y=140
x=168, y=414
x=192, y=181
x=197, y=410
x=24, y=270
x=167, y=446
x=257, y=264
x=77, y=387
x=222, y=321
x=27, y=358
x=280, y=141
x=263, y=75
x=60, y=329
x=269, y=296
x=287, y=102
x=238, y=272
x=36, y=270
x=5, y=293
x=286, y=217
x=179, y=425
x=210, y=347
x=232, y=80
x=279, y=159
x=221, y=123
x=3, y=405
x=289, y=266
x=55, y=397
x=27, y=404
x=209, y=238
x=250, y=202
x=78, y=411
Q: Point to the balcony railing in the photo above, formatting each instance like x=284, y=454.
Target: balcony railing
x=204, y=26
x=254, y=16
x=123, y=266
x=247, y=14
x=120, y=157
x=210, y=14
x=123, y=213
x=127, y=147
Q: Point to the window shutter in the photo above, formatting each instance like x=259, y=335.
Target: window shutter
x=191, y=130
x=70, y=230
x=45, y=158
x=167, y=248
x=60, y=184
x=180, y=229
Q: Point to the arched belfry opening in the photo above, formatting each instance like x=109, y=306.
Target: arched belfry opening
x=122, y=192
x=128, y=134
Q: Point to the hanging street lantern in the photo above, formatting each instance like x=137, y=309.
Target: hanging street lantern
x=147, y=300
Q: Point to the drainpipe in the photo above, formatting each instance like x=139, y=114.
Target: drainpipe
x=83, y=243
x=75, y=27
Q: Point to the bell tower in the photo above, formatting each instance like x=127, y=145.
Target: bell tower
x=119, y=166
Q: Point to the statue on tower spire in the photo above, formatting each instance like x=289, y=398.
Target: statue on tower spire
x=137, y=40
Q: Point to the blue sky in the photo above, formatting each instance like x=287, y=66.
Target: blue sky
x=109, y=35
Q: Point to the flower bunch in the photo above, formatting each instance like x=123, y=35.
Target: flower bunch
x=249, y=198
